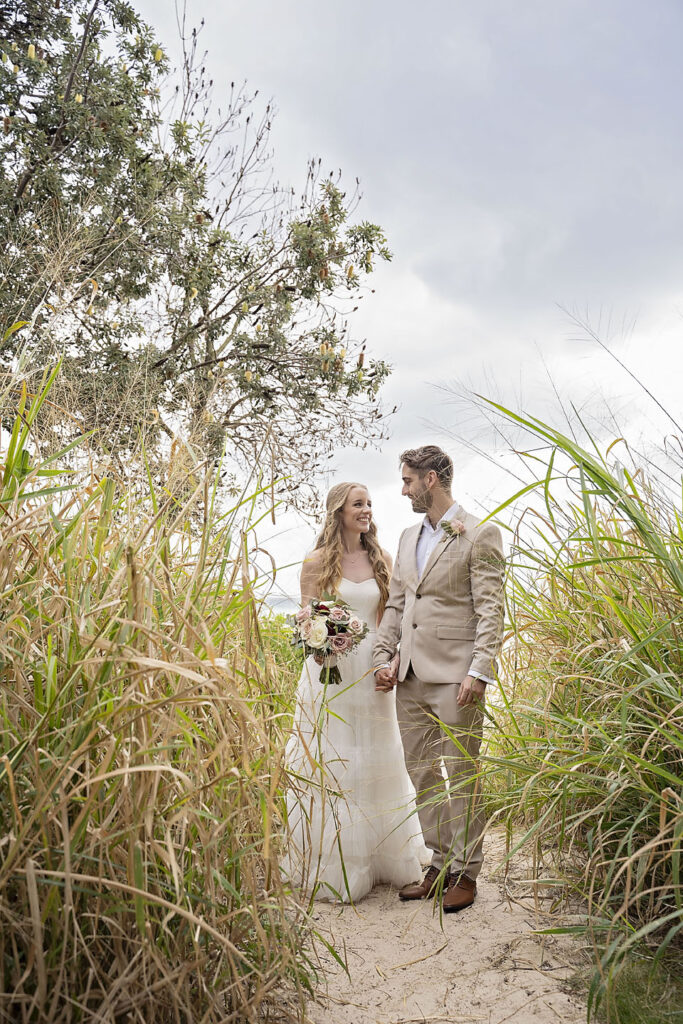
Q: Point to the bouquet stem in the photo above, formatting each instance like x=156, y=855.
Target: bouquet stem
x=330, y=673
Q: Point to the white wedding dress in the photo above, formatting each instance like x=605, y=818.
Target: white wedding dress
x=351, y=806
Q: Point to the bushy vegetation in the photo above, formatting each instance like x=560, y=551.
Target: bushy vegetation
x=146, y=242
x=586, y=752
x=141, y=752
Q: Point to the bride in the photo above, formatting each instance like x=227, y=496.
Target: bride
x=351, y=805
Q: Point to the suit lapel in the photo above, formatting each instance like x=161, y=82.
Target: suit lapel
x=441, y=546
x=411, y=539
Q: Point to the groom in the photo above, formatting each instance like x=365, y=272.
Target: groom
x=445, y=611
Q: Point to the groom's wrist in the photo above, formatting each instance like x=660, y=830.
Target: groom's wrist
x=378, y=668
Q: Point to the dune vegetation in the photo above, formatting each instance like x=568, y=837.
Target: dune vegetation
x=141, y=750
x=585, y=758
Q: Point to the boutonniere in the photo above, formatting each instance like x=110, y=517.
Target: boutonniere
x=452, y=527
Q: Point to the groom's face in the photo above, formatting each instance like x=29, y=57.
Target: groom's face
x=417, y=488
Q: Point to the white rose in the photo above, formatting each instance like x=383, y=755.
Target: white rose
x=318, y=635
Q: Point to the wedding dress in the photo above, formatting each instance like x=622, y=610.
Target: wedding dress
x=351, y=806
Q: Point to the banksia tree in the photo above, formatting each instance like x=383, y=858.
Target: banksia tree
x=184, y=292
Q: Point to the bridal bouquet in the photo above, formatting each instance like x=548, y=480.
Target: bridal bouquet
x=328, y=628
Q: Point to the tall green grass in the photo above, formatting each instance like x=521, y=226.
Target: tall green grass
x=586, y=750
x=141, y=752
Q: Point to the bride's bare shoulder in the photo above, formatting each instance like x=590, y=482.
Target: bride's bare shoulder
x=313, y=558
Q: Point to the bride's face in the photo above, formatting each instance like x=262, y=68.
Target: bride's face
x=357, y=511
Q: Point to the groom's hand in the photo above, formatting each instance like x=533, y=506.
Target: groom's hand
x=471, y=690
x=386, y=678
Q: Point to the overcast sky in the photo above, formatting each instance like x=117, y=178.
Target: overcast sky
x=523, y=159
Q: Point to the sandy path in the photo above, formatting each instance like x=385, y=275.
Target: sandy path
x=409, y=967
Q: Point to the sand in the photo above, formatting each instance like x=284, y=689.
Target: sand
x=409, y=965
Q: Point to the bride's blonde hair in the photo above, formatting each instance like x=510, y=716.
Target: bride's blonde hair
x=330, y=542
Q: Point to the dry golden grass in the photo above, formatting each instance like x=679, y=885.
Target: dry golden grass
x=141, y=757
x=586, y=749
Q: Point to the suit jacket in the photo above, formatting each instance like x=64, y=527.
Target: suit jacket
x=451, y=619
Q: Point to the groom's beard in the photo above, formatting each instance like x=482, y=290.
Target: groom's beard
x=423, y=501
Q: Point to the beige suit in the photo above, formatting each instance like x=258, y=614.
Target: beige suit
x=447, y=622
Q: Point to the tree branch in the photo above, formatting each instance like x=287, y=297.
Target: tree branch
x=30, y=171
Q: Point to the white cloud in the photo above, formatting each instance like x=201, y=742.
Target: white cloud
x=518, y=156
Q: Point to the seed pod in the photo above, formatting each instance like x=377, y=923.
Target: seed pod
x=31, y=52
x=248, y=375
x=158, y=54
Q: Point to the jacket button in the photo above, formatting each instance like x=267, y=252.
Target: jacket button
x=415, y=625
x=418, y=596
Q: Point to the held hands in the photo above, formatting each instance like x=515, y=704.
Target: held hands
x=471, y=690
x=386, y=678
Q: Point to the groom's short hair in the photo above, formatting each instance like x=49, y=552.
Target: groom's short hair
x=430, y=457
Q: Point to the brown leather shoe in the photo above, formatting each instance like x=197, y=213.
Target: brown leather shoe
x=459, y=894
x=421, y=890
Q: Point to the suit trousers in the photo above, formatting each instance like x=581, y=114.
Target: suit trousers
x=441, y=744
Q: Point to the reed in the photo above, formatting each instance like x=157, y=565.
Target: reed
x=585, y=754
x=141, y=752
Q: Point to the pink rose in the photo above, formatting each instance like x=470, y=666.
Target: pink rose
x=339, y=615
x=305, y=629
x=452, y=527
x=304, y=613
x=356, y=625
x=341, y=644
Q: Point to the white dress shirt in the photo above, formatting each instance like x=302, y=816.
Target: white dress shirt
x=426, y=542
x=429, y=538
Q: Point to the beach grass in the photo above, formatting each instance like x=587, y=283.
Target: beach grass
x=584, y=761
x=142, y=715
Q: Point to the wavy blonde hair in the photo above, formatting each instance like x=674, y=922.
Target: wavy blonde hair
x=330, y=542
